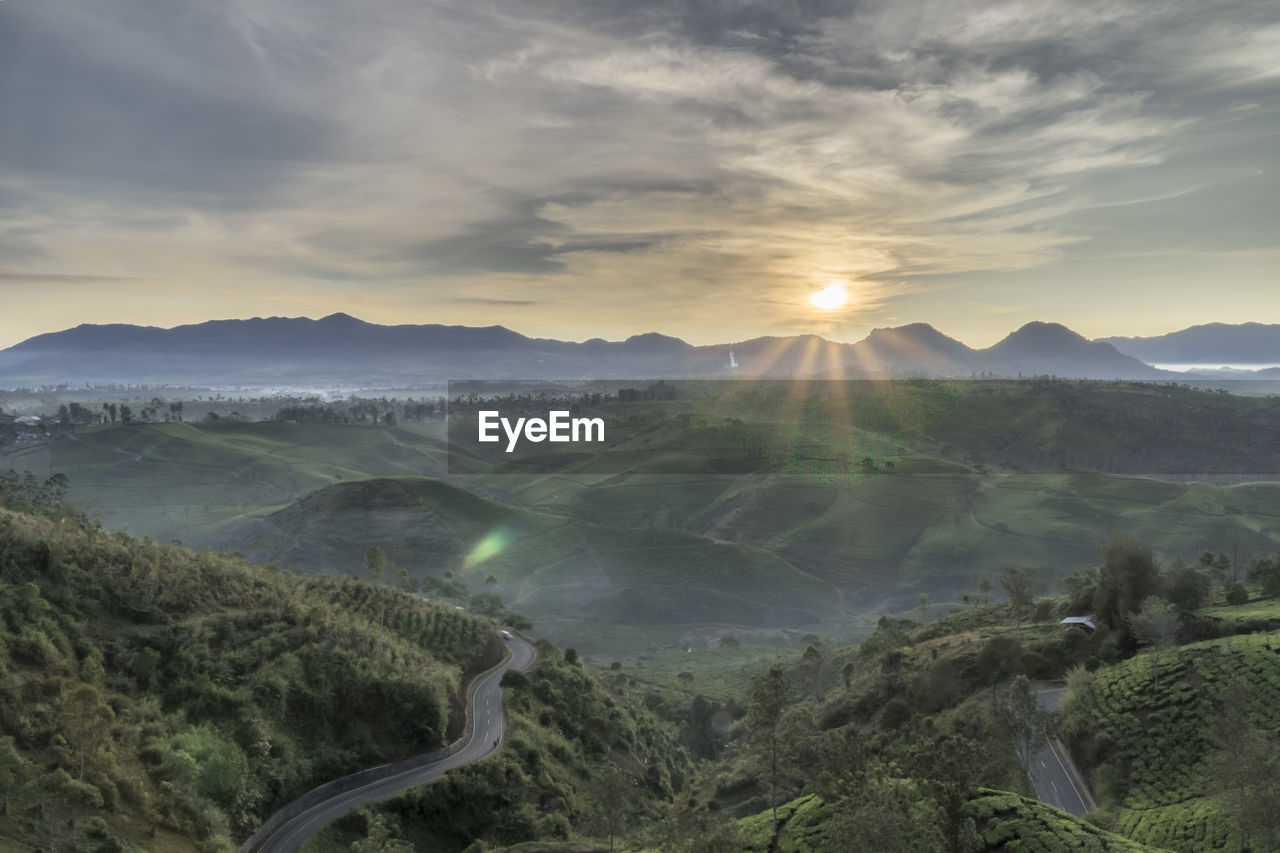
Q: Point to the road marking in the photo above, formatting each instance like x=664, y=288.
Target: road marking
x=1074, y=790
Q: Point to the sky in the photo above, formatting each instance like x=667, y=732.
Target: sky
x=575, y=168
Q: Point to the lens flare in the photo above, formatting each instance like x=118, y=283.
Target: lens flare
x=493, y=544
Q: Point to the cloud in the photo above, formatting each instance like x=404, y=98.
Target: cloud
x=701, y=162
x=56, y=278
x=479, y=300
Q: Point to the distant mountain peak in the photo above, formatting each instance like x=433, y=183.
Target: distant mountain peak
x=342, y=318
x=1043, y=330
x=656, y=340
x=908, y=329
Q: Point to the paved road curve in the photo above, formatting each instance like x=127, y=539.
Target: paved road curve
x=483, y=739
x=1054, y=783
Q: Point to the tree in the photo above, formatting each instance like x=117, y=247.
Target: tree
x=406, y=581
x=947, y=769
x=1222, y=565
x=1129, y=575
x=379, y=837
x=1154, y=625
x=63, y=801
x=15, y=771
x=86, y=722
x=375, y=563
x=1237, y=595
x=1186, y=587
x=1023, y=720
x=615, y=801
x=1244, y=772
x=770, y=695
x=1266, y=573
x=985, y=586
x=1021, y=584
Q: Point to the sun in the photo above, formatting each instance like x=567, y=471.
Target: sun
x=831, y=298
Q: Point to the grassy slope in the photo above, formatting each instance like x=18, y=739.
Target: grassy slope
x=198, y=693
x=557, y=570
x=192, y=481
x=934, y=522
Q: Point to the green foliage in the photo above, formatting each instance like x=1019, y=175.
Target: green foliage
x=1129, y=574
x=194, y=693
x=1146, y=744
x=1266, y=573
x=1187, y=587
x=770, y=695
x=1243, y=770
x=887, y=815
x=212, y=764
x=1011, y=822
x=24, y=493
x=1021, y=583
x=890, y=816
x=576, y=758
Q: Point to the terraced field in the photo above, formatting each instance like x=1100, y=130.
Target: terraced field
x=1154, y=740
x=1006, y=823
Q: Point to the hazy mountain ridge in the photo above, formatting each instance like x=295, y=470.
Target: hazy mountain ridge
x=1210, y=343
x=341, y=348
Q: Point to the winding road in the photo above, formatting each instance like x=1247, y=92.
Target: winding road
x=1057, y=782
x=483, y=738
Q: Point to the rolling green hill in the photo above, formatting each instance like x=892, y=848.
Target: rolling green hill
x=192, y=481
x=573, y=578
x=171, y=699
x=812, y=505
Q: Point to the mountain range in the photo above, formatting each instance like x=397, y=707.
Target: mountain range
x=1208, y=344
x=277, y=351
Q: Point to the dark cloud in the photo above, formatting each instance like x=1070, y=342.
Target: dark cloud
x=519, y=241
x=78, y=109
x=766, y=25
x=61, y=278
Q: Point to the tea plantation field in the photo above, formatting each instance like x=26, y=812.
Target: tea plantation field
x=1151, y=742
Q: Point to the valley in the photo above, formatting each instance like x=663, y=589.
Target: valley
x=886, y=555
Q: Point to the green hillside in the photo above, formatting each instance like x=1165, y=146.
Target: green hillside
x=171, y=699
x=578, y=760
x=192, y=481
x=1005, y=823
x=575, y=579
x=1156, y=751
x=858, y=498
